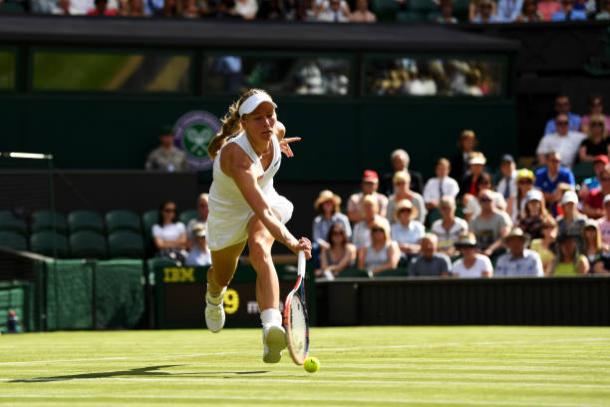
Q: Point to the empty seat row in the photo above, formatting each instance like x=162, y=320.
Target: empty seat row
x=82, y=244
x=84, y=220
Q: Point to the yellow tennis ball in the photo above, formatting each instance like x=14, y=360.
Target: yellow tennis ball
x=311, y=364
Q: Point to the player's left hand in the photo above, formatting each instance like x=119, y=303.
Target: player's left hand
x=285, y=145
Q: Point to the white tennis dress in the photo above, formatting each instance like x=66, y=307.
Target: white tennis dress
x=229, y=211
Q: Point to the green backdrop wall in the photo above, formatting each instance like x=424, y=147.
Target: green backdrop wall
x=340, y=137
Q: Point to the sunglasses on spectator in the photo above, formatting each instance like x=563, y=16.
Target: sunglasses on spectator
x=337, y=233
x=597, y=124
x=554, y=160
x=562, y=122
x=526, y=181
x=377, y=230
x=485, y=199
x=169, y=210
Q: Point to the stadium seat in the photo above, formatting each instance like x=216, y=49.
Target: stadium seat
x=85, y=220
x=10, y=223
x=149, y=218
x=409, y=16
x=123, y=220
x=49, y=220
x=12, y=7
x=124, y=243
x=353, y=273
x=13, y=240
x=582, y=171
x=385, y=10
x=397, y=272
x=88, y=244
x=49, y=244
x=422, y=6
x=186, y=216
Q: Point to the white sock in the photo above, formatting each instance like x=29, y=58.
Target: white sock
x=271, y=316
x=215, y=300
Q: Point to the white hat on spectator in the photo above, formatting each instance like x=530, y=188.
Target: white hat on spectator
x=569, y=197
x=606, y=199
x=533, y=195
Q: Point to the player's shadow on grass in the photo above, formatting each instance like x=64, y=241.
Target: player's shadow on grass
x=142, y=371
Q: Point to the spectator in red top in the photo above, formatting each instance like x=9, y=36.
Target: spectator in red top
x=546, y=9
x=592, y=183
x=101, y=9
x=594, y=204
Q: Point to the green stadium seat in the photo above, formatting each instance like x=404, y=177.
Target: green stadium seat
x=385, y=10
x=409, y=16
x=353, y=273
x=88, y=244
x=11, y=223
x=49, y=220
x=125, y=244
x=149, y=219
x=422, y=6
x=123, y=220
x=397, y=272
x=85, y=220
x=13, y=240
x=460, y=10
x=188, y=215
x=49, y=244
x=582, y=171
x=10, y=7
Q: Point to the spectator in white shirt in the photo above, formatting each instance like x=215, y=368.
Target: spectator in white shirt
x=199, y=255
x=334, y=11
x=449, y=228
x=407, y=231
x=472, y=264
x=565, y=141
x=361, y=235
x=441, y=185
x=519, y=261
x=169, y=236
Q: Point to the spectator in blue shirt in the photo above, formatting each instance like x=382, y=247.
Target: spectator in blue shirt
x=568, y=13
x=563, y=106
x=509, y=10
x=550, y=176
x=519, y=261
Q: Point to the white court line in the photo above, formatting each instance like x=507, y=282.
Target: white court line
x=461, y=344
x=325, y=382
x=309, y=398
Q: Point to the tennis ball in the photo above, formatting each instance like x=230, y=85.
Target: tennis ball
x=311, y=364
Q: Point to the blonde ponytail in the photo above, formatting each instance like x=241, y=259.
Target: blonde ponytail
x=231, y=124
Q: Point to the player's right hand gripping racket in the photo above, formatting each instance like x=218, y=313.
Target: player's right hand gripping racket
x=295, y=316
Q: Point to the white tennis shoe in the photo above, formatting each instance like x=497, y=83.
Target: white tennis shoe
x=274, y=342
x=214, y=315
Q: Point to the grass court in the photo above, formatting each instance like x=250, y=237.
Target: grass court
x=365, y=366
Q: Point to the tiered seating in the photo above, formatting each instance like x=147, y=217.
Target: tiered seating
x=83, y=233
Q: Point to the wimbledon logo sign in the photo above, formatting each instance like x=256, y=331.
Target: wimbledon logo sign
x=193, y=132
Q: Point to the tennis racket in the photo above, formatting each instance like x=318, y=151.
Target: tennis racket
x=295, y=317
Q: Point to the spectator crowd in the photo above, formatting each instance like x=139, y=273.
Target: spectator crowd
x=330, y=11
x=471, y=220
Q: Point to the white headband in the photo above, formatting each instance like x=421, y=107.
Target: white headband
x=253, y=101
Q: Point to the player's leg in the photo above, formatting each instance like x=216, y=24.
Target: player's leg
x=224, y=263
x=267, y=290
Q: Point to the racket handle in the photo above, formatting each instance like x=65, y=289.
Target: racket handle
x=301, y=264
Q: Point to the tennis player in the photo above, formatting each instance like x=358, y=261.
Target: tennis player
x=245, y=208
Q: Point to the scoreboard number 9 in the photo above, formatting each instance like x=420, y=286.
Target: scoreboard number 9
x=231, y=301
